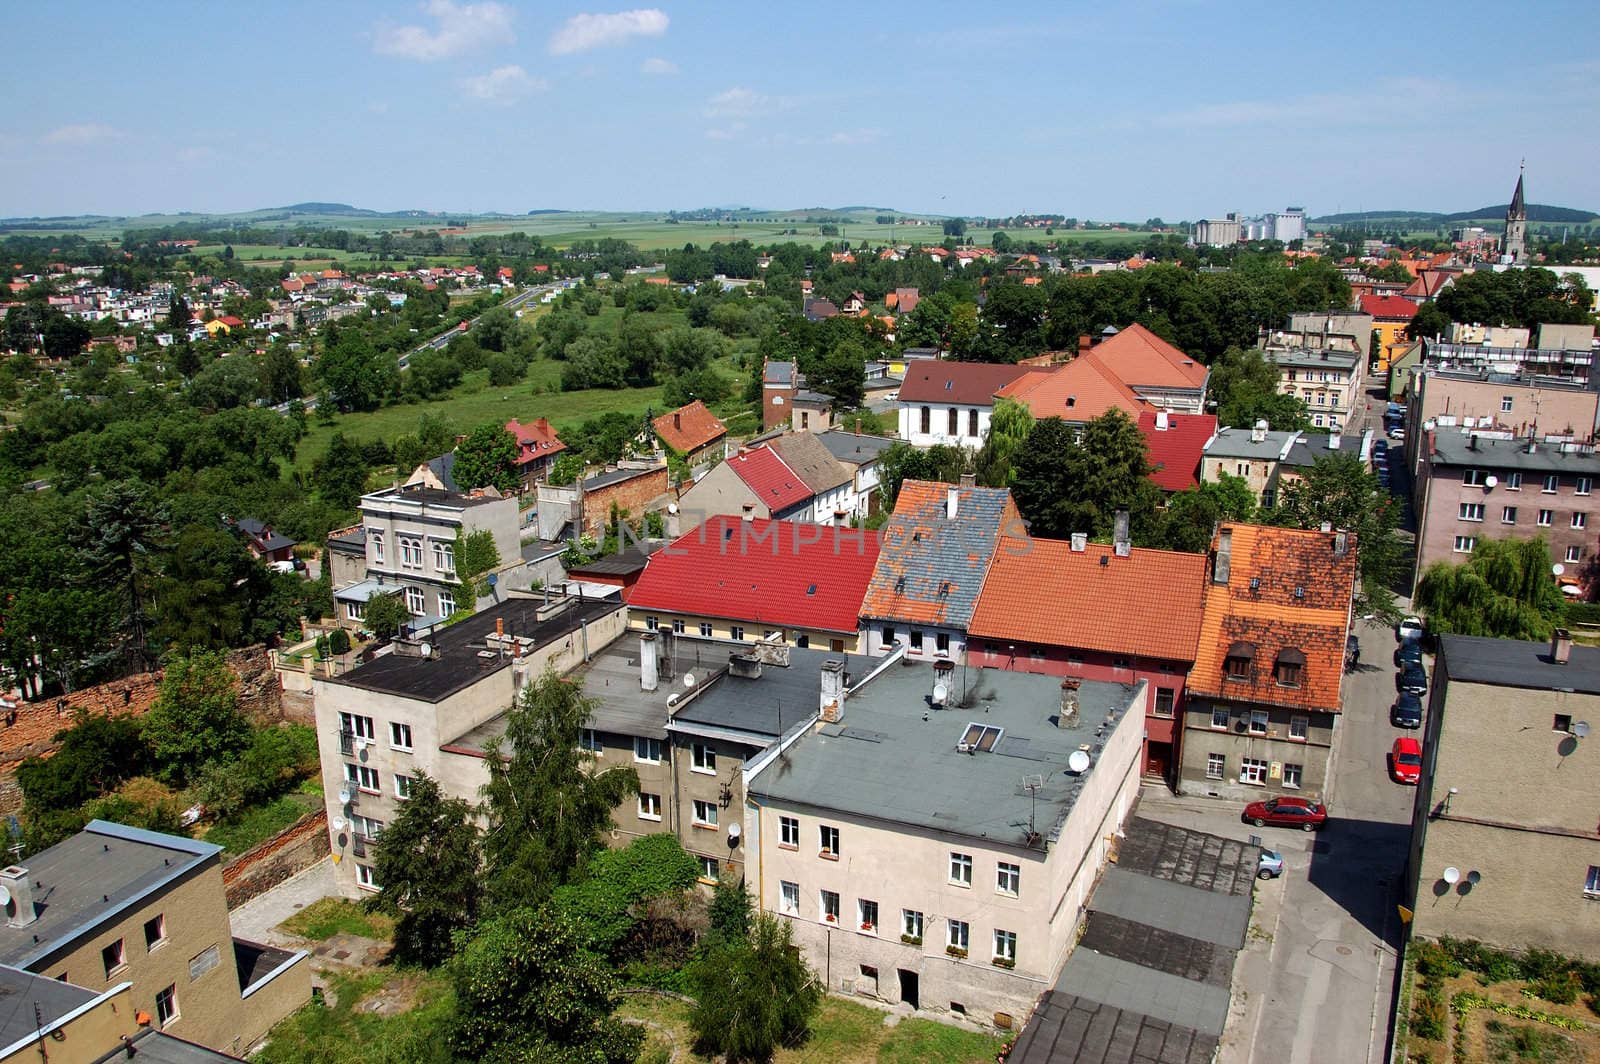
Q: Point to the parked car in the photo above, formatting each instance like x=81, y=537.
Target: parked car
x=1270, y=866
x=1380, y=444
x=1412, y=679
x=1405, y=760
x=1398, y=435
x=1406, y=711
x=1286, y=812
x=1408, y=653
x=1410, y=628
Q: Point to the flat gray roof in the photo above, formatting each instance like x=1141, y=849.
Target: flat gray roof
x=883, y=760
x=82, y=882
x=1236, y=443
x=1516, y=663
x=616, y=476
x=1315, y=358
x=163, y=1048
x=1459, y=449
x=21, y=991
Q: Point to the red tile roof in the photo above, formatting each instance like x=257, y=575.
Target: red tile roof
x=1147, y=604
x=1267, y=619
x=968, y=383
x=1176, y=450
x=535, y=441
x=765, y=473
x=1388, y=307
x=1081, y=390
x=689, y=428
x=1140, y=358
x=773, y=573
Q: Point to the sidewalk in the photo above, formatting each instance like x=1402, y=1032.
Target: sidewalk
x=255, y=920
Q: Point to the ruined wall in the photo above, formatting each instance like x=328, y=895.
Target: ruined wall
x=292, y=850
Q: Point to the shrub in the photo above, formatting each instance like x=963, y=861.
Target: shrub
x=1560, y=988
x=1428, y=1017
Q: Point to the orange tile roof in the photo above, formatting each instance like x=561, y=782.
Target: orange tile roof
x=1081, y=390
x=1141, y=358
x=1147, y=604
x=1269, y=618
x=689, y=428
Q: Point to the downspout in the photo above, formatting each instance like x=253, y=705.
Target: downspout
x=761, y=867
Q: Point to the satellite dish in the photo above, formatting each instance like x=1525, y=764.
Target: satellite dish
x=734, y=831
x=5, y=896
x=1078, y=761
x=337, y=823
x=940, y=693
x=1490, y=481
x=689, y=680
x=672, y=508
x=1452, y=874
x=1580, y=730
x=344, y=795
x=427, y=650
x=492, y=579
x=1473, y=877
x=1558, y=568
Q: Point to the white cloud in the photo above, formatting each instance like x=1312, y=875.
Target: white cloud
x=460, y=28
x=81, y=133
x=727, y=132
x=582, y=32
x=658, y=66
x=737, y=102
x=196, y=154
x=502, y=85
x=856, y=136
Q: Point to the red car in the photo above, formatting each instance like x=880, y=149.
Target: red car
x=1405, y=761
x=1286, y=812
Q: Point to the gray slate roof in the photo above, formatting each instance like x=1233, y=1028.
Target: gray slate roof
x=1457, y=449
x=884, y=761
x=1515, y=663
x=615, y=476
x=772, y=704
x=443, y=467
x=1315, y=358
x=779, y=373
x=853, y=447
x=20, y=991
x=1236, y=443
x=928, y=551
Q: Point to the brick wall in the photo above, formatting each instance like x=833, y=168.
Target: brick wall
x=633, y=495
x=292, y=850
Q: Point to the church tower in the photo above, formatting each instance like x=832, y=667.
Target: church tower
x=1514, y=248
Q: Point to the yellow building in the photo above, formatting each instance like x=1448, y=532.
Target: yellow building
x=1391, y=317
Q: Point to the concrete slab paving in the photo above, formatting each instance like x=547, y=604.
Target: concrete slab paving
x=257, y=919
x=1188, y=911
x=1133, y=987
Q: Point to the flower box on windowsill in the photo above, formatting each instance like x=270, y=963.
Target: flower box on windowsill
x=1003, y=962
x=957, y=952
x=911, y=940
x=868, y=929
x=830, y=919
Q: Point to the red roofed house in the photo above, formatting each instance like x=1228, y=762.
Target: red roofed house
x=794, y=477
x=749, y=580
x=694, y=432
x=1154, y=370
x=537, y=447
x=1391, y=317
x=950, y=402
x=1176, y=443
x=1266, y=689
x=1128, y=634
x=1079, y=391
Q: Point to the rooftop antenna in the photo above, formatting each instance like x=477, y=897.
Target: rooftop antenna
x=1033, y=784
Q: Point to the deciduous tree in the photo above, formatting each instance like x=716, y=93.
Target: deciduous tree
x=429, y=864
x=487, y=457
x=754, y=993
x=195, y=717
x=1505, y=590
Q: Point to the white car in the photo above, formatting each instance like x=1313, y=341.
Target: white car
x=891, y=397
x=1397, y=434
x=1410, y=628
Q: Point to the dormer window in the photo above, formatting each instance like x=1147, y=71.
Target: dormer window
x=1237, y=664
x=1289, y=668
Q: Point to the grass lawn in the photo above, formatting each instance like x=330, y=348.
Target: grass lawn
x=843, y=1033
x=254, y=826
x=330, y=916
x=380, y=1015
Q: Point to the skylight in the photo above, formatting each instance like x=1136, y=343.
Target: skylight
x=979, y=737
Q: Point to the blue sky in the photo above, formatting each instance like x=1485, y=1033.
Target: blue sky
x=1108, y=110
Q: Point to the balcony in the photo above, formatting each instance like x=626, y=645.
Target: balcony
x=347, y=743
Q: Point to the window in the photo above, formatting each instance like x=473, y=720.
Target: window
x=1253, y=770
x=805, y=419
x=447, y=603
x=828, y=841
x=375, y=540
x=677, y=625
x=1258, y=722
x=1474, y=477
x=356, y=611
x=1591, y=885
x=926, y=421
x=1465, y=544
x=1579, y=520
x=365, y=827
x=112, y=957
x=957, y=934
x=1505, y=404
x=1216, y=766
x=1288, y=668
x=1165, y=697
x=1005, y=946
x=652, y=623
x=1219, y=717
x=789, y=898
x=155, y=931
x=705, y=758
x=1583, y=486
x=589, y=740
x=961, y=869
x=911, y=924
x=972, y=423
x=1574, y=554
x=649, y=806
x=941, y=642
x=444, y=556
x=1546, y=518
x=802, y=640
x=705, y=814
x=399, y=735
x=828, y=906
x=402, y=787
x=705, y=628
x=1513, y=481
x=167, y=1005
x=736, y=633
x=415, y=601
x=354, y=724
x=1120, y=662
x=1298, y=727
x=916, y=640
x=1508, y=515
x=410, y=552
x=647, y=751
x=1242, y=469
x=708, y=870
x=789, y=832
x=1551, y=483
x=1008, y=878
x=954, y=416
x=363, y=777
x=1291, y=776
x=867, y=915
x=366, y=878
x=1471, y=511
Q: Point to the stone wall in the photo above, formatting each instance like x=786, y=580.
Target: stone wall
x=633, y=495
x=294, y=849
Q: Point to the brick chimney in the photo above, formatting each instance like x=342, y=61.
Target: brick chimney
x=832, y=693
x=677, y=419
x=1085, y=341
x=20, y=911
x=1560, y=651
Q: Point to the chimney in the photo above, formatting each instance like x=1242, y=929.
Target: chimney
x=969, y=480
x=1080, y=542
x=499, y=627
x=1224, y=563
x=1069, y=704
x=648, y=665
x=952, y=501
x=1334, y=440
x=1258, y=432
x=1341, y=544
x=832, y=695
x=1560, y=651
x=1472, y=441
x=1121, y=540
x=16, y=880
x=1163, y=421
x=1085, y=341
x=747, y=666
x=858, y=426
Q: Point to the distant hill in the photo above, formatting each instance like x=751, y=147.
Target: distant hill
x=323, y=208
x=1537, y=212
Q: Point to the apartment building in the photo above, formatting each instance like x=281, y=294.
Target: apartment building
x=142, y=916
x=933, y=841
x=407, y=542
x=1266, y=690
x=1471, y=487
x=1573, y=362
x=1328, y=381
x=1503, y=841
x=1267, y=460
x=950, y=402
x=381, y=723
x=1500, y=403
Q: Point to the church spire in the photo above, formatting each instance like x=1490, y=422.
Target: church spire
x=1518, y=211
x=1514, y=247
